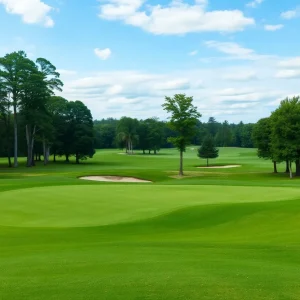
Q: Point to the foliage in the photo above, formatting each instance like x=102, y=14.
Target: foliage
x=208, y=149
x=183, y=121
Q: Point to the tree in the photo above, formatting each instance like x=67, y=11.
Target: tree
x=52, y=82
x=208, y=149
x=5, y=118
x=127, y=132
x=261, y=136
x=33, y=108
x=13, y=70
x=285, y=132
x=212, y=127
x=57, y=108
x=155, y=134
x=143, y=133
x=224, y=135
x=79, y=135
x=183, y=120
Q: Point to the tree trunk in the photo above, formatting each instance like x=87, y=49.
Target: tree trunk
x=275, y=166
x=155, y=151
x=287, y=168
x=143, y=151
x=181, y=164
x=290, y=169
x=9, y=159
x=46, y=150
x=149, y=151
x=67, y=158
x=15, y=137
x=30, y=143
x=298, y=167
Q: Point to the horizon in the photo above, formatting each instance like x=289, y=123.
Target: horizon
x=237, y=60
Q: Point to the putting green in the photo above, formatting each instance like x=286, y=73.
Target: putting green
x=90, y=205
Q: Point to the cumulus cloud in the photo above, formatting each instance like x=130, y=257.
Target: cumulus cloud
x=176, y=17
x=273, y=27
x=291, y=14
x=241, y=76
x=293, y=62
x=288, y=74
x=234, y=50
x=31, y=11
x=254, y=3
x=176, y=84
x=103, y=54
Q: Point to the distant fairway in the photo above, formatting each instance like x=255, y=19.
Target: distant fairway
x=216, y=234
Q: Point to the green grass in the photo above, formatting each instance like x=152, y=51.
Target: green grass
x=215, y=234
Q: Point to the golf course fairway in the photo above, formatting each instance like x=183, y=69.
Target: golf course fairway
x=232, y=234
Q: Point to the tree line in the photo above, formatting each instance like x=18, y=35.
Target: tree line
x=33, y=121
x=152, y=134
x=278, y=136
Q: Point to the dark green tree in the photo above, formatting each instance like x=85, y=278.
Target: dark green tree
x=208, y=149
x=261, y=136
x=127, y=132
x=14, y=69
x=285, y=132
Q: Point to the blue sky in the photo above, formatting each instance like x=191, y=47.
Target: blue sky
x=238, y=58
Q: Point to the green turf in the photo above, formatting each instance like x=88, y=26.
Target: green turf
x=216, y=234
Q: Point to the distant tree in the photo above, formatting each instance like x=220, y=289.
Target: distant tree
x=208, y=149
x=261, y=136
x=127, y=132
x=57, y=108
x=143, y=133
x=183, y=120
x=155, y=134
x=224, y=135
x=80, y=132
x=212, y=126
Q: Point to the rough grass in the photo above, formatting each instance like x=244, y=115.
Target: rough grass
x=230, y=235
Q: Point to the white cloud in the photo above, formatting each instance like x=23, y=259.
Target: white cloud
x=241, y=76
x=288, y=74
x=177, y=17
x=290, y=63
x=273, y=27
x=291, y=14
x=114, y=90
x=103, y=54
x=254, y=3
x=226, y=91
x=234, y=50
x=176, y=84
x=193, y=53
x=31, y=11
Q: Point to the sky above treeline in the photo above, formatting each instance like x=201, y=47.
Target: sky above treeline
x=237, y=58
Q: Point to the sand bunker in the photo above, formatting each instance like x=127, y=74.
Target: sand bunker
x=114, y=179
x=220, y=167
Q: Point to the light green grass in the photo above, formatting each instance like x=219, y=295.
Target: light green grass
x=218, y=234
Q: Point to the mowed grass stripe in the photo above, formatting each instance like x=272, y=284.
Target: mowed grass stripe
x=75, y=206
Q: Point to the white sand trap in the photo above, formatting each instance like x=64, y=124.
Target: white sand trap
x=114, y=179
x=220, y=167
